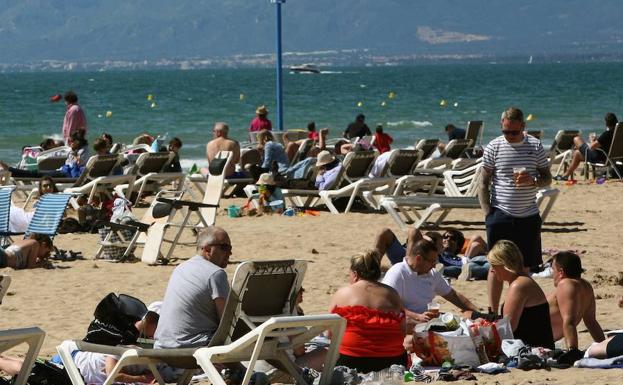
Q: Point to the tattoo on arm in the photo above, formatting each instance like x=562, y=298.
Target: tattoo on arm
x=484, y=195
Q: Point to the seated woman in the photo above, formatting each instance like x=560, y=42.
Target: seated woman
x=526, y=305
x=375, y=326
x=27, y=253
x=273, y=154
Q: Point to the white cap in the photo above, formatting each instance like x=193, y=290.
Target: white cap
x=155, y=307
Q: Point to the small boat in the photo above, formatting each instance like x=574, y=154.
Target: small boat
x=305, y=68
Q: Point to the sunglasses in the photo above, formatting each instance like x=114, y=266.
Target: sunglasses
x=447, y=236
x=223, y=246
x=511, y=133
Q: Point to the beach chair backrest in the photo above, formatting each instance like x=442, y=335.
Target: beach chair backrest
x=616, y=147
x=427, y=146
x=474, y=131
x=457, y=147
x=402, y=162
x=5, y=209
x=48, y=214
x=357, y=164
x=153, y=162
x=296, y=134
x=259, y=290
x=53, y=158
x=214, y=185
x=97, y=166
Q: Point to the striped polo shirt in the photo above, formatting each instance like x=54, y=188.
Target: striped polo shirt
x=501, y=157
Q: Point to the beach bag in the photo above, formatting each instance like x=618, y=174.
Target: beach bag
x=120, y=214
x=48, y=373
x=114, y=320
x=492, y=334
x=435, y=348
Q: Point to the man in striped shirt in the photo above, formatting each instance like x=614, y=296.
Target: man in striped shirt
x=515, y=165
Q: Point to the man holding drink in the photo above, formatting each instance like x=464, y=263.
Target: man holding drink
x=515, y=166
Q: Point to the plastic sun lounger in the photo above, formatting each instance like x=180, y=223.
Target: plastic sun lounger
x=5, y=214
x=614, y=157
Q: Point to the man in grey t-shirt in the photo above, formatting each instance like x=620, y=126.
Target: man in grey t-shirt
x=195, y=297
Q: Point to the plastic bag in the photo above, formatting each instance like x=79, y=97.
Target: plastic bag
x=436, y=348
x=492, y=334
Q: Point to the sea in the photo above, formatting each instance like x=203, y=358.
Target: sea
x=411, y=102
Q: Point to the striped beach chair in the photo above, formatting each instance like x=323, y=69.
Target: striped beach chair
x=5, y=214
x=48, y=214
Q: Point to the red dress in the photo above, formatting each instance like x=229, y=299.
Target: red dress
x=371, y=332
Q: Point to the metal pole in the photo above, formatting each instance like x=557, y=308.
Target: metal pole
x=279, y=74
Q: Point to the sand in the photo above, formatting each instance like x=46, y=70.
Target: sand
x=586, y=217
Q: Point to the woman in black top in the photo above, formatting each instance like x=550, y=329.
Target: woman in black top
x=526, y=305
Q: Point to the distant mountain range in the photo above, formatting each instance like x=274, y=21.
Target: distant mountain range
x=92, y=30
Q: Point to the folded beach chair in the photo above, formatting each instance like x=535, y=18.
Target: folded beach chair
x=473, y=132
x=614, y=157
x=248, y=157
x=400, y=208
x=427, y=146
x=258, y=322
x=561, y=149
x=10, y=338
x=150, y=172
x=464, y=182
x=204, y=211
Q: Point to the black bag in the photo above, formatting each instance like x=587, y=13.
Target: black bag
x=48, y=373
x=114, y=321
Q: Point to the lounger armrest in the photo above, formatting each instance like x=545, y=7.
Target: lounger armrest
x=129, y=225
x=178, y=204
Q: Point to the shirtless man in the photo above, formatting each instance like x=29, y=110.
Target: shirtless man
x=222, y=143
x=572, y=301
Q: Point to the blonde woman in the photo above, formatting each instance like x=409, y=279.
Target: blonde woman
x=526, y=305
x=375, y=327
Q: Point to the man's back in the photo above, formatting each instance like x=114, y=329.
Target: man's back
x=189, y=316
x=580, y=292
x=224, y=144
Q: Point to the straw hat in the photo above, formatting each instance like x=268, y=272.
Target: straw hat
x=324, y=157
x=266, y=179
x=261, y=110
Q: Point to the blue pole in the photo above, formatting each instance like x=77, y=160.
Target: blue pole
x=279, y=74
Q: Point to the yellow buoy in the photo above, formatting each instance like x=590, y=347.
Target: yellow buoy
x=108, y=114
x=442, y=102
x=150, y=97
x=391, y=94
x=154, y=105
x=530, y=117
x=383, y=104
x=242, y=96
x=359, y=104
x=456, y=104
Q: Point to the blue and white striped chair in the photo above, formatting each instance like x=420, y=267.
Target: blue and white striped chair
x=48, y=214
x=5, y=214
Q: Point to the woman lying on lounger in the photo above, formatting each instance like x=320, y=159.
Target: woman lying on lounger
x=27, y=253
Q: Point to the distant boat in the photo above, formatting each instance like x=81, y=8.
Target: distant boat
x=305, y=68
x=530, y=60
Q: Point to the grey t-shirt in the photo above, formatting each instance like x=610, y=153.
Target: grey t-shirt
x=188, y=317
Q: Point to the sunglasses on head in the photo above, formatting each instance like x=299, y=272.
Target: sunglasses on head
x=511, y=132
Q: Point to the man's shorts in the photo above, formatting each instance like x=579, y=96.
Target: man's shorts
x=396, y=252
x=524, y=232
x=592, y=156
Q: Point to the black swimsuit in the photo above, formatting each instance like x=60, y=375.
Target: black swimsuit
x=535, y=326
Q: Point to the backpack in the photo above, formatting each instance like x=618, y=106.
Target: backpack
x=114, y=321
x=47, y=373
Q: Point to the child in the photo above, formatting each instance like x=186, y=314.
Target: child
x=382, y=140
x=269, y=196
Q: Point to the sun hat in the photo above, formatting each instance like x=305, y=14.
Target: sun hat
x=266, y=179
x=261, y=110
x=324, y=157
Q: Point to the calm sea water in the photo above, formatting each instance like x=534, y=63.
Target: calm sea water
x=187, y=103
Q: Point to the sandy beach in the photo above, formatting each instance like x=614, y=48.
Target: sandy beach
x=586, y=217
